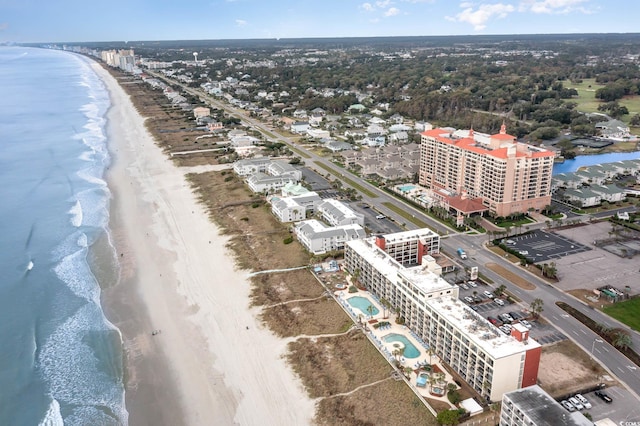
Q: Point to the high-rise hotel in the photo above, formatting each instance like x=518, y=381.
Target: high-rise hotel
x=504, y=176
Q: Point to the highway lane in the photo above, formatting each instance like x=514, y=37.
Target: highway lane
x=608, y=356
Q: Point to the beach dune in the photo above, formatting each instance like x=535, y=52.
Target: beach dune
x=210, y=361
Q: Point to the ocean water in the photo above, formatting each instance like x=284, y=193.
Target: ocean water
x=60, y=360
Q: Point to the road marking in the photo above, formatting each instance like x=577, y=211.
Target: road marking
x=632, y=367
x=565, y=315
x=583, y=332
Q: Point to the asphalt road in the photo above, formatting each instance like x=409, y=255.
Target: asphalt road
x=623, y=369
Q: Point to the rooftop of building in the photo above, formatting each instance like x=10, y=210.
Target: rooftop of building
x=544, y=410
x=424, y=280
x=315, y=229
x=478, y=330
x=404, y=236
x=501, y=145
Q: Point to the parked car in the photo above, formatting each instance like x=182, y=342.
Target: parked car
x=464, y=286
x=381, y=216
x=584, y=401
x=574, y=401
x=472, y=284
x=505, y=318
x=499, y=302
x=468, y=299
x=603, y=396
x=488, y=294
x=516, y=315
x=523, y=252
x=505, y=329
x=526, y=323
x=566, y=404
x=494, y=321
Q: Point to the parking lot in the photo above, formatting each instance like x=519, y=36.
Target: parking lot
x=542, y=333
x=540, y=246
x=622, y=410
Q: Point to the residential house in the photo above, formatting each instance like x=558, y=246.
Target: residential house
x=200, y=112
x=300, y=127
x=582, y=197
x=609, y=193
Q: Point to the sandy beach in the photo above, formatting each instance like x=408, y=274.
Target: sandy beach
x=212, y=362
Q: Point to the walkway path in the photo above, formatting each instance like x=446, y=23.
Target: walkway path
x=295, y=268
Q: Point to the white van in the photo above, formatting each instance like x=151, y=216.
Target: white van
x=381, y=216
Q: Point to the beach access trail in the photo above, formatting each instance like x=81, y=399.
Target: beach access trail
x=211, y=362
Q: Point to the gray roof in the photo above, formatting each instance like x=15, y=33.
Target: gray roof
x=544, y=410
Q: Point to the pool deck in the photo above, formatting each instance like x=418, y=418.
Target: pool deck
x=376, y=336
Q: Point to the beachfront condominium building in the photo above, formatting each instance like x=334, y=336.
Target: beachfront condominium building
x=399, y=268
x=319, y=238
x=508, y=177
x=532, y=406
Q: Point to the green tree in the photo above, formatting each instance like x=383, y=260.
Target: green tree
x=448, y=417
x=536, y=307
x=500, y=290
x=622, y=340
x=370, y=310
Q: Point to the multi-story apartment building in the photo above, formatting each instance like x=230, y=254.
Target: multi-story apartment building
x=336, y=213
x=508, y=177
x=532, y=406
x=398, y=268
x=318, y=238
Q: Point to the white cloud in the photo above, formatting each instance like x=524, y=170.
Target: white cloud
x=4, y=26
x=479, y=17
x=393, y=11
x=241, y=22
x=383, y=3
x=368, y=7
x=552, y=6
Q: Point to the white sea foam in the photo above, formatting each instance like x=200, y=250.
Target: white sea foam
x=100, y=399
x=76, y=214
x=52, y=417
x=95, y=205
x=74, y=271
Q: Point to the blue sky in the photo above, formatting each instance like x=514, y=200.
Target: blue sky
x=94, y=20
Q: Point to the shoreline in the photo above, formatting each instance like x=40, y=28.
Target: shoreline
x=177, y=276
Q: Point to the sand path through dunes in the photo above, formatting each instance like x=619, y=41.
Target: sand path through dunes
x=223, y=366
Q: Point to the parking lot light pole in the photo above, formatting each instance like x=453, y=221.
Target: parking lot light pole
x=594, y=344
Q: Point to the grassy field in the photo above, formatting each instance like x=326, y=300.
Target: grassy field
x=587, y=101
x=626, y=312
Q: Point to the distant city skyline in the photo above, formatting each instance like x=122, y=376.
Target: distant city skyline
x=29, y=21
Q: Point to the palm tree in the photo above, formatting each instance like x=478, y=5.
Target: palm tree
x=501, y=289
x=430, y=352
x=622, y=340
x=370, y=310
x=536, y=307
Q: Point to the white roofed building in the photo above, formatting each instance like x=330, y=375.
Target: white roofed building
x=318, y=238
x=263, y=183
x=399, y=268
x=295, y=209
x=337, y=213
x=250, y=166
